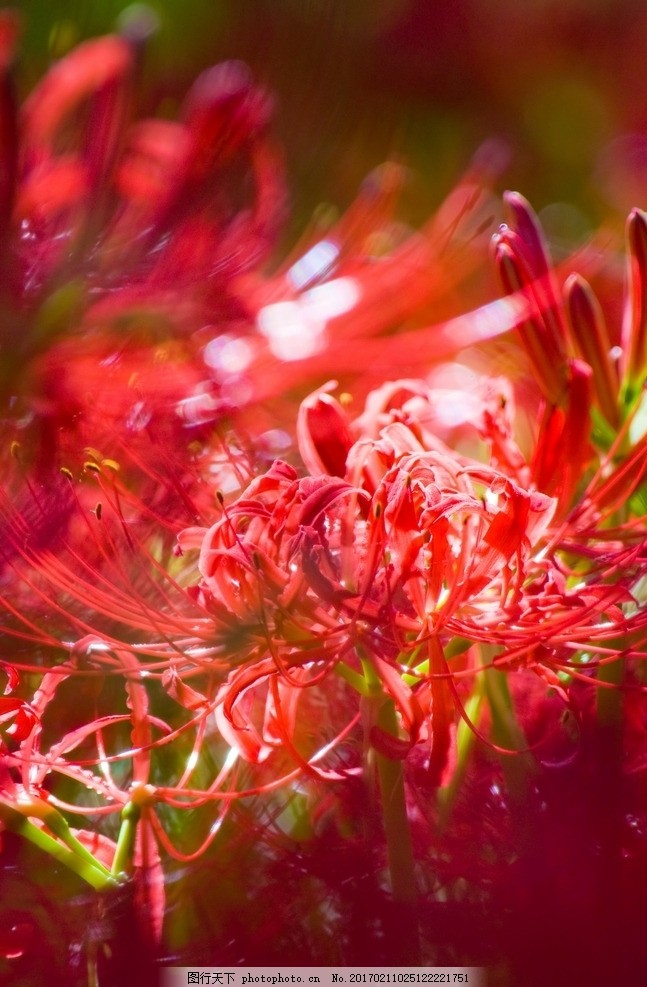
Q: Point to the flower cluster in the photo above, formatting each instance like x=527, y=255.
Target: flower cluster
x=214, y=591
x=398, y=550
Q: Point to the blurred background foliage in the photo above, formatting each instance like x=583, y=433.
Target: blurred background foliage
x=560, y=82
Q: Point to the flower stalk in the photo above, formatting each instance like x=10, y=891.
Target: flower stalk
x=380, y=711
x=89, y=869
x=517, y=764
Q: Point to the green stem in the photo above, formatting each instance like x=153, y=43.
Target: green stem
x=122, y=861
x=59, y=826
x=394, y=814
x=465, y=741
x=402, y=931
x=93, y=873
x=354, y=679
x=506, y=732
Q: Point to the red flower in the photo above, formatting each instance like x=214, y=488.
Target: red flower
x=420, y=546
x=452, y=550
x=119, y=240
x=262, y=565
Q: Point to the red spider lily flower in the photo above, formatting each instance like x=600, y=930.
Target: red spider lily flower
x=102, y=768
x=420, y=547
x=80, y=555
x=132, y=261
x=464, y=540
x=350, y=284
x=106, y=763
x=150, y=184
x=566, y=323
x=120, y=240
x=128, y=239
x=525, y=267
x=97, y=585
x=256, y=564
x=36, y=764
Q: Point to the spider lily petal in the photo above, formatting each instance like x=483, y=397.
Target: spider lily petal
x=323, y=433
x=23, y=716
x=563, y=449
x=544, y=348
x=590, y=332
